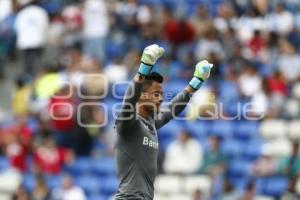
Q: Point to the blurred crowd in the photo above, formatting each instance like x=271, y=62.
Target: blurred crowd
x=69, y=54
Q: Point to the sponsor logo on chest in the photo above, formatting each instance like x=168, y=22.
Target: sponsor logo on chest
x=150, y=143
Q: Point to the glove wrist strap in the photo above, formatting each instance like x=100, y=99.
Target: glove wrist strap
x=145, y=69
x=196, y=83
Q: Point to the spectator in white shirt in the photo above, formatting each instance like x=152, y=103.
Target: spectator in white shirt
x=31, y=27
x=10, y=181
x=116, y=71
x=5, y=9
x=280, y=21
x=207, y=45
x=288, y=61
x=250, y=82
x=95, y=28
x=68, y=191
x=183, y=156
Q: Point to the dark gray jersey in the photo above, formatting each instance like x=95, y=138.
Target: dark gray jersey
x=137, y=146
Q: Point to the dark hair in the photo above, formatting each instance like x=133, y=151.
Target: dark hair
x=216, y=137
x=153, y=76
x=187, y=133
x=75, y=46
x=250, y=186
x=21, y=81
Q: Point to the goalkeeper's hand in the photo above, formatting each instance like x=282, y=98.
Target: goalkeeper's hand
x=150, y=55
x=202, y=72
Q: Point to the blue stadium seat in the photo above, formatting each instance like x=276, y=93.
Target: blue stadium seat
x=275, y=186
x=81, y=165
x=89, y=183
x=150, y=2
x=171, y=129
x=52, y=7
x=110, y=185
x=217, y=187
x=100, y=145
x=228, y=91
x=239, y=167
x=252, y=149
x=112, y=49
x=29, y=181
x=172, y=88
x=173, y=5
x=239, y=182
x=221, y=128
x=97, y=196
x=119, y=89
x=232, y=148
x=192, y=8
x=231, y=108
x=246, y=129
x=196, y=1
x=54, y=181
x=259, y=184
x=229, y=97
x=4, y=163
x=104, y=166
x=198, y=128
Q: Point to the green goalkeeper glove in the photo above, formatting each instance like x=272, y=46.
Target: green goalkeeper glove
x=150, y=55
x=201, y=73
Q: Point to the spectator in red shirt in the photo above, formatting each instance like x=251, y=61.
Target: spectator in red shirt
x=23, y=131
x=276, y=84
x=48, y=158
x=178, y=31
x=17, y=143
x=257, y=43
x=62, y=109
x=16, y=152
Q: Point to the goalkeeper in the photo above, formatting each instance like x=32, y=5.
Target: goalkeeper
x=136, y=149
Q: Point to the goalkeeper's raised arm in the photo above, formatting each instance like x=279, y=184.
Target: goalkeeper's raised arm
x=149, y=57
x=179, y=102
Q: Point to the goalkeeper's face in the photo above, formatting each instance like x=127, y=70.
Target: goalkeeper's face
x=152, y=97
